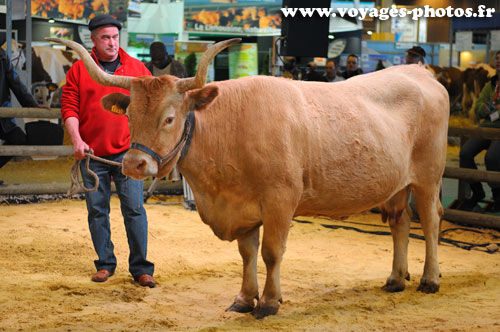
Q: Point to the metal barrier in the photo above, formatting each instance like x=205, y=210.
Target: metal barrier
x=465, y=174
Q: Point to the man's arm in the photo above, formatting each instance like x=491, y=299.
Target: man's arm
x=79, y=146
x=481, y=108
x=70, y=111
x=19, y=89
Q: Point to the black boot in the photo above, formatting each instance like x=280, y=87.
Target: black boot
x=495, y=207
x=477, y=195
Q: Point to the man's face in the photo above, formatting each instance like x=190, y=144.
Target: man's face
x=159, y=58
x=330, y=69
x=352, y=63
x=411, y=59
x=107, y=42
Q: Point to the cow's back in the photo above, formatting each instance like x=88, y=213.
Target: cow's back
x=343, y=146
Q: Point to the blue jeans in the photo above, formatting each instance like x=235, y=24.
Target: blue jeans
x=130, y=193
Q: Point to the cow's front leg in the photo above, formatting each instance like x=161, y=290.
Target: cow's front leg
x=273, y=248
x=400, y=232
x=248, y=246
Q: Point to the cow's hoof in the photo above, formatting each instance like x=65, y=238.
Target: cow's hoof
x=392, y=286
x=261, y=312
x=428, y=287
x=240, y=307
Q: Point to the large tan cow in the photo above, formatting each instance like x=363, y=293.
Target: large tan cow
x=266, y=149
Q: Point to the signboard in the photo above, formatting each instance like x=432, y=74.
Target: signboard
x=243, y=60
x=79, y=10
x=495, y=40
x=184, y=48
x=404, y=29
x=463, y=40
x=246, y=17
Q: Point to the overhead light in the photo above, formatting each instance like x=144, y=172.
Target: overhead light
x=51, y=20
x=331, y=36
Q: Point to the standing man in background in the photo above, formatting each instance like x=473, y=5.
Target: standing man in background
x=10, y=81
x=92, y=127
x=331, y=72
x=352, y=67
x=163, y=64
x=415, y=55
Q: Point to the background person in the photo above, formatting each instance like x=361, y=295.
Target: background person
x=488, y=109
x=162, y=63
x=352, y=67
x=312, y=74
x=10, y=81
x=90, y=126
x=415, y=55
x=331, y=72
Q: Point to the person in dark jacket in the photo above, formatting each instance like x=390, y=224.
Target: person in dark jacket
x=10, y=81
x=487, y=109
x=352, y=67
x=162, y=63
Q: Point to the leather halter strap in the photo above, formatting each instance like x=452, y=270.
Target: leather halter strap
x=185, y=138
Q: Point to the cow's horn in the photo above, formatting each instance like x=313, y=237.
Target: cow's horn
x=197, y=82
x=94, y=71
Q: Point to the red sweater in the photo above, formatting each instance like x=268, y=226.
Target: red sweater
x=106, y=133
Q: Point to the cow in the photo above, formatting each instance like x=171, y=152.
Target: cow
x=48, y=75
x=265, y=149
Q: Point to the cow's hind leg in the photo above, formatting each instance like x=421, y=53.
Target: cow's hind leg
x=429, y=209
x=400, y=231
x=248, y=246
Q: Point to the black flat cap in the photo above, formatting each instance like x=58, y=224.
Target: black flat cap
x=102, y=20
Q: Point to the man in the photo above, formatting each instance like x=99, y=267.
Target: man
x=312, y=74
x=415, y=54
x=9, y=80
x=331, y=72
x=487, y=109
x=91, y=127
x=352, y=67
x=162, y=64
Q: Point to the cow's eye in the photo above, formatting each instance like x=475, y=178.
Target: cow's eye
x=169, y=120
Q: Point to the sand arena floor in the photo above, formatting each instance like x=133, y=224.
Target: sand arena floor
x=330, y=278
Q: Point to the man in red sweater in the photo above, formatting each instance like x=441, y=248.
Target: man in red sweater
x=92, y=127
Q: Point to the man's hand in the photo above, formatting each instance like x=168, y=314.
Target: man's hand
x=79, y=149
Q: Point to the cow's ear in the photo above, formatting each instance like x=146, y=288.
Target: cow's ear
x=116, y=102
x=201, y=98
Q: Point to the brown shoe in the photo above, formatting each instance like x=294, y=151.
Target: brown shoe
x=146, y=280
x=101, y=276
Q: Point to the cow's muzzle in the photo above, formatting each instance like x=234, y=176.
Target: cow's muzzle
x=138, y=165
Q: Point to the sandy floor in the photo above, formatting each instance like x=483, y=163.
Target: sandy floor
x=330, y=278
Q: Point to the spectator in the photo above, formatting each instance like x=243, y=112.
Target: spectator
x=331, y=72
x=162, y=64
x=415, y=54
x=90, y=126
x=352, y=67
x=312, y=74
x=9, y=81
x=487, y=109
